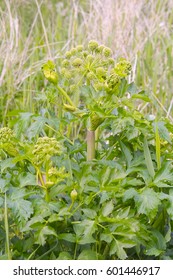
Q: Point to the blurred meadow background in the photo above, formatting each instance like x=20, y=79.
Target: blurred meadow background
x=33, y=31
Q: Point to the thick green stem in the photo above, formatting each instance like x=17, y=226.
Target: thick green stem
x=64, y=93
x=47, y=196
x=90, y=144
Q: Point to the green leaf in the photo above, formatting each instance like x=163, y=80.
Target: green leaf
x=108, y=208
x=27, y=179
x=3, y=184
x=164, y=174
x=36, y=127
x=89, y=213
x=64, y=256
x=87, y=254
x=22, y=209
x=1, y=202
x=163, y=131
x=142, y=97
x=129, y=194
x=157, y=245
x=44, y=233
x=118, y=248
x=126, y=152
x=107, y=237
x=147, y=203
x=7, y=163
x=68, y=237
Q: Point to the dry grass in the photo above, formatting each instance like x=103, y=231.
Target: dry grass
x=34, y=31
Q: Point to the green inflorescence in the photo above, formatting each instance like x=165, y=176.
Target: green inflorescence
x=7, y=141
x=44, y=149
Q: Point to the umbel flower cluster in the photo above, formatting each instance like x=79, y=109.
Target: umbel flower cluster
x=93, y=65
x=44, y=149
x=7, y=141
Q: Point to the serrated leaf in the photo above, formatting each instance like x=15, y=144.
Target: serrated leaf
x=68, y=237
x=147, y=202
x=7, y=163
x=64, y=256
x=108, y=208
x=27, y=179
x=127, y=153
x=130, y=193
x=107, y=237
x=163, y=132
x=36, y=127
x=86, y=240
x=22, y=209
x=3, y=184
x=89, y=213
x=87, y=254
x=164, y=174
x=44, y=233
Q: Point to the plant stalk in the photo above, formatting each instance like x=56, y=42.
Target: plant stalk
x=7, y=229
x=90, y=144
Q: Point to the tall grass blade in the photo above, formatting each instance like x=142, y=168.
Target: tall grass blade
x=157, y=139
x=7, y=245
x=148, y=159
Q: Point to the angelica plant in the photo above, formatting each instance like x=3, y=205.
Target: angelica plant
x=89, y=80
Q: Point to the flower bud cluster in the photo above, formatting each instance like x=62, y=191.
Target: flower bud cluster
x=44, y=149
x=93, y=65
x=50, y=72
x=123, y=68
x=56, y=175
x=6, y=135
x=7, y=141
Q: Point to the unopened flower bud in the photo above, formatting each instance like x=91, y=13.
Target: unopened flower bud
x=92, y=45
x=107, y=51
x=77, y=62
x=65, y=63
x=79, y=48
x=68, y=54
x=73, y=195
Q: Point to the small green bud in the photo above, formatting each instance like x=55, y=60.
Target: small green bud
x=66, y=73
x=111, y=61
x=100, y=71
x=68, y=54
x=100, y=48
x=107, y=51
x=84, y=53
x=92, y=45
x=90, y=58
x=73, y=195
x=90, y=76
x=65, y=63
x=77, y=62
x=73, y=51
x=79, y=48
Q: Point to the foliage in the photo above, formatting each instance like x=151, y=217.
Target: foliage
x=56, y=204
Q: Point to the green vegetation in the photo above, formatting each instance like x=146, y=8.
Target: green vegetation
x=86, y=131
